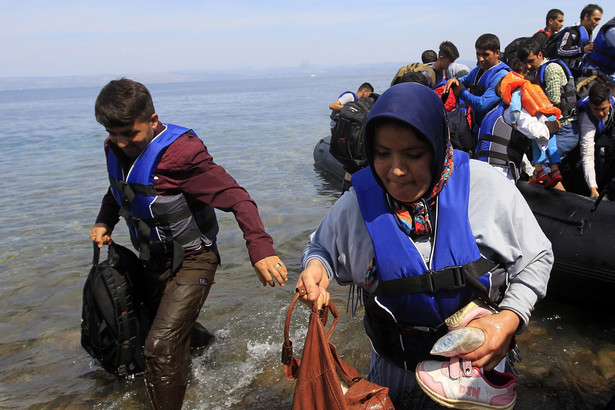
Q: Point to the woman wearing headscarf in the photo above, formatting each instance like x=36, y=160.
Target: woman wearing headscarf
x=424, y=233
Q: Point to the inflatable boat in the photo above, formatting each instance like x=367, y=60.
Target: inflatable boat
x=583, y=241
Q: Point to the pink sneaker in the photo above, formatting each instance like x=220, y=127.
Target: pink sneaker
x=458, y=384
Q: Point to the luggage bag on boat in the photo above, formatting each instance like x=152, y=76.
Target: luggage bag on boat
x=510, y=51
x=321, y=373
x=347, y=135
x=115, y=322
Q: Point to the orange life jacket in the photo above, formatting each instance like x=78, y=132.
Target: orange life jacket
x=533, y=98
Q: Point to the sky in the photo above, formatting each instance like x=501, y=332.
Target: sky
x=71, y=38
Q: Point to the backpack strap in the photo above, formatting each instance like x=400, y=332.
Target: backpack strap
x=96, y=255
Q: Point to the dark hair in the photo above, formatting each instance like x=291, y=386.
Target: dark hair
x=488, y=41
x=528, y=46
x=517, y=65
x=366, y=86
x=412, y=77
x=599, y=92
x=448, y=50
x=589, y=9
x=123, y=102
x=429, y=56
x=552, y=15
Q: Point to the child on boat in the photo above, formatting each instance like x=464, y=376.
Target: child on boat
x=531, y=112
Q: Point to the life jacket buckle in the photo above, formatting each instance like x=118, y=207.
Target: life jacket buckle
x=449, y=278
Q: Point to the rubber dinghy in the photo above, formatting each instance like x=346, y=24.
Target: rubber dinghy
x=583, y=241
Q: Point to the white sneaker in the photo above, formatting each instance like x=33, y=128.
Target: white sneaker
x=457, y=384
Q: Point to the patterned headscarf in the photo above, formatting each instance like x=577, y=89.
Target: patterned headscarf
x=419, y=107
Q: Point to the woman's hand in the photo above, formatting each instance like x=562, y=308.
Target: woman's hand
x=499, y=331
x=316, y=281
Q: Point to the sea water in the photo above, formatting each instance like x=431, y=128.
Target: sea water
x=262, y=131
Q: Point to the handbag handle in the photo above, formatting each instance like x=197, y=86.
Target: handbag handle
x=287, y=348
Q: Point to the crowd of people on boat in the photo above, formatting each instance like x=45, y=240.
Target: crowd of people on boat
x=433, y=234
x=539, y=109
x=434, y=240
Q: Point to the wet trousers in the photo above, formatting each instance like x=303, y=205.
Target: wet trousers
x=179, y=299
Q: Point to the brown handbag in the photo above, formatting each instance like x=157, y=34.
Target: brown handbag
x=321, y=373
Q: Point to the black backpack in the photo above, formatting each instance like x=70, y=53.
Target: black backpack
x=347, y=135
x=457, y=121
x=549, y=50
x=115, y=321
x=461, y=134
x=510, y=51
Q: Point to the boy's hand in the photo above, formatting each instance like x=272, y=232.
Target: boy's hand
x=451, y=83
x=100, y=234
x=553, y=126
x=269, y=268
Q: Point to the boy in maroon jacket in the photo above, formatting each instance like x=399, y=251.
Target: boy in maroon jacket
x=166, y=185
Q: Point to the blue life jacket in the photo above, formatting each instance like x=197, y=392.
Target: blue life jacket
x=499, y=143
x=603, y=54
x=601, y=126
x=334, y=114
x=356, y=97
x=405, y=315
x=397, y=256
x=604, y=141
x=479, y=85
x=159, y=224
x=581, y=31
x=583, y=39
x=568, y=100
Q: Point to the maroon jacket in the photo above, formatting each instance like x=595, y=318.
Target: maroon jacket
x=187, y=167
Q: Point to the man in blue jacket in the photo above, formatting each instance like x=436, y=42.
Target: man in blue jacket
x=477, y=88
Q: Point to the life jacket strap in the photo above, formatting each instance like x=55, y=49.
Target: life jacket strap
x=518, y=144
x=494, y=155
x=144, y=244
x=144, y=225
x=452, y=277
